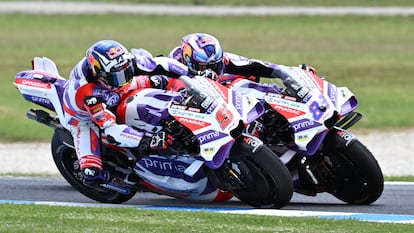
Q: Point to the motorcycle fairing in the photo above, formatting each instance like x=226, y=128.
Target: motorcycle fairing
x=248, y=107
x=214, y=135
x=340, y=97
x=346, y=100
x=211, y=141
x=310, y=118
x=42, y=88
x=164, y=175
x=145, y=108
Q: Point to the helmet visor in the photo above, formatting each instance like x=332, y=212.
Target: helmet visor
x=216, y=67
x=122, y=77
x=119, y=78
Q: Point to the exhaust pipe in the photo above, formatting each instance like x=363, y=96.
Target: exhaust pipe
x=43, y=117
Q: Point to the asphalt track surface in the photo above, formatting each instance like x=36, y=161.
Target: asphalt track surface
x=396, y=200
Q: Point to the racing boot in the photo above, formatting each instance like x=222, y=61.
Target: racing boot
x=93, y=177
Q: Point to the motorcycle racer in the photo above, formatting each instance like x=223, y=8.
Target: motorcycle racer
x=95, y=85
x=201, y=51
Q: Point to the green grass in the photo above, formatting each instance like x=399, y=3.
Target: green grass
x=399, y=178
x=38, y=218
x=258, y=2
x=373, y=56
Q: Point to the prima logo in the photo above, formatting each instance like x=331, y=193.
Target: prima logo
x=163, y=165
x=208, y=137
x=303, y=125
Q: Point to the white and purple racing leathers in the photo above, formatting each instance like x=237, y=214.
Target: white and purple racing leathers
x=87, y=104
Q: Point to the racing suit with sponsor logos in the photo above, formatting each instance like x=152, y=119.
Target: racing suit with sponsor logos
x=242, y=74
x=237, y=69
x=87, y=104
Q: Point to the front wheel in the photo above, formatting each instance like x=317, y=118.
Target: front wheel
x=66, y=161
x=355, y=176
x=263, y=180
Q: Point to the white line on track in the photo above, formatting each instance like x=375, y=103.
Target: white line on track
x=386, y=218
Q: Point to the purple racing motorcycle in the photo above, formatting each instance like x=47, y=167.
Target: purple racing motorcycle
x=214, y=159
x=310, y=136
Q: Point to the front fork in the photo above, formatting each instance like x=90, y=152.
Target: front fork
x=233, y=174
x=311, y=174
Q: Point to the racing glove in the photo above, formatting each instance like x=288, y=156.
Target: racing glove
x=208, y=74
x=205, y=73
x=307, y=68
x=294, y=88
x=96, y=109
x=160, y=140
x=159, y=82
x=145, y=81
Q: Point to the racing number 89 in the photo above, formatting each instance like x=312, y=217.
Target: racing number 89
x=315, y=108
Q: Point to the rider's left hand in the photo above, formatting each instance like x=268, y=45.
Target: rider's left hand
x=307, y=68
x=208, y=74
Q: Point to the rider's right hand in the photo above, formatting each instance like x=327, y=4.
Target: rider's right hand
x=96, y=108
x=160, y=140
x=208, y=74
x=294, y=88
x=204, y=73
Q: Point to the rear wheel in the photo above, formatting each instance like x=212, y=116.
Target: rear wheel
x=66, y=161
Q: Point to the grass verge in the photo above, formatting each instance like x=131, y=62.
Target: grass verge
x=371, y=55
x=39, y=218
x=252, y=2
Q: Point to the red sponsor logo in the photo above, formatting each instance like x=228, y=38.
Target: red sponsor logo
x=193, y=124
x=288, y=112
x=33, y=83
